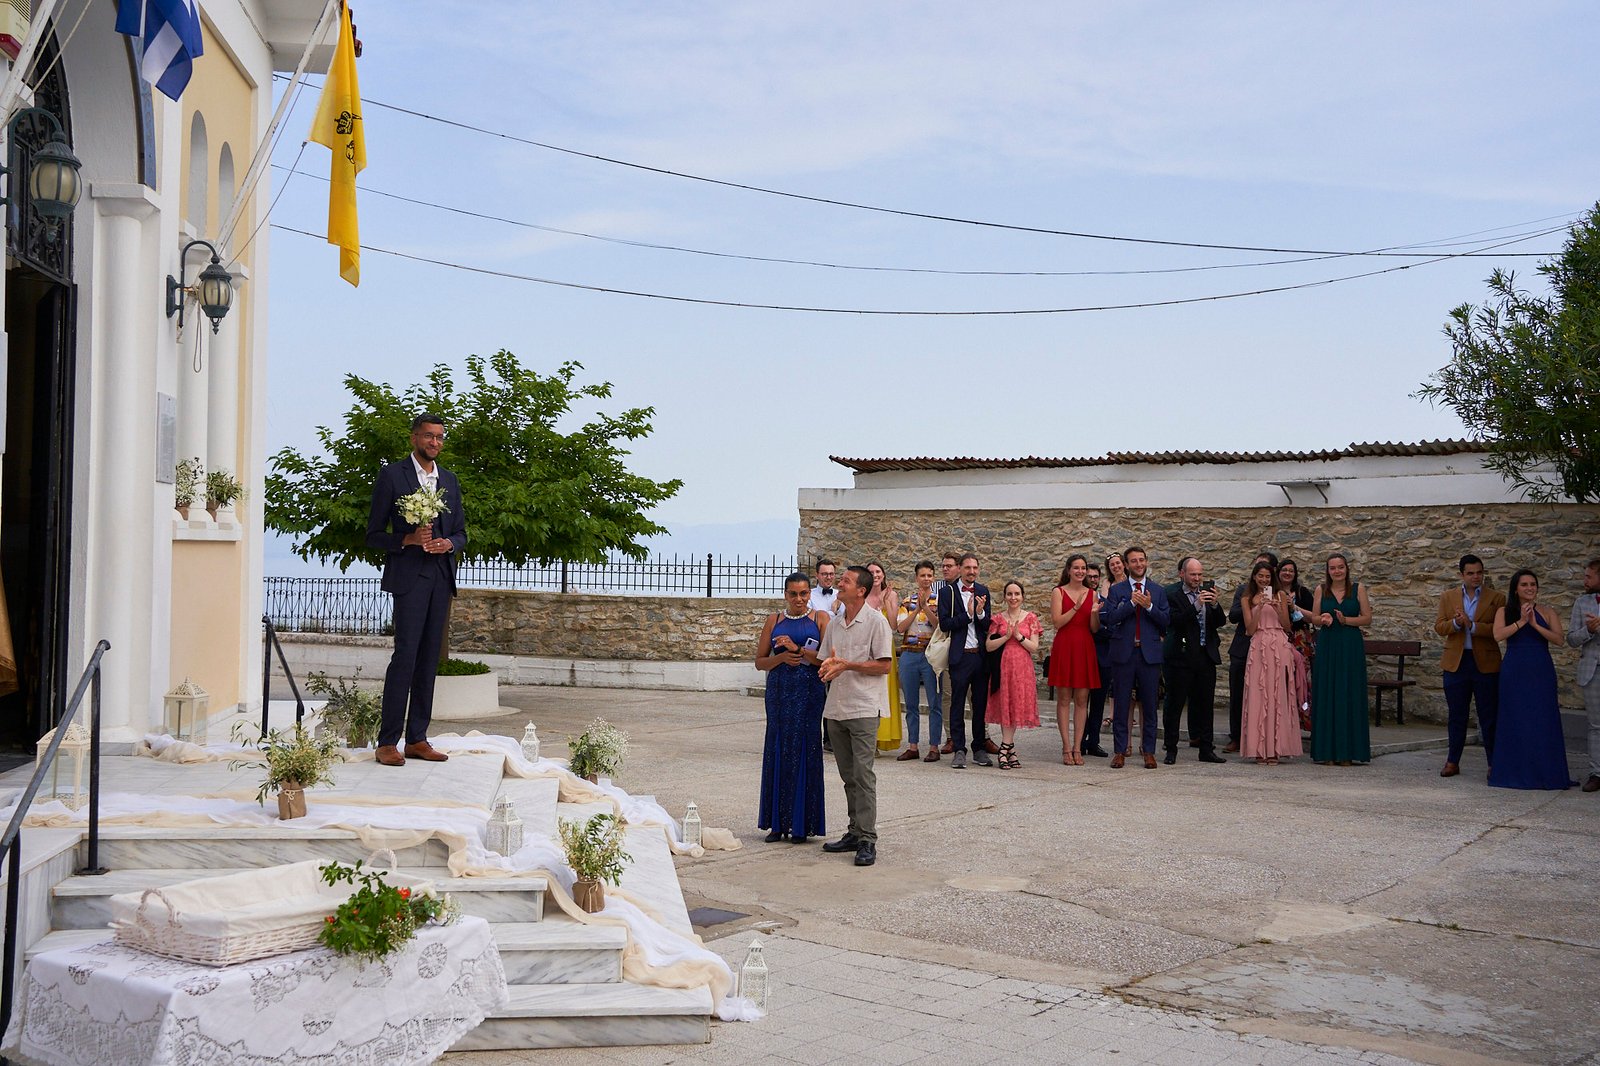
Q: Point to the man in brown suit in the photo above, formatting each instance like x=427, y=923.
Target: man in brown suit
x=1471, y=659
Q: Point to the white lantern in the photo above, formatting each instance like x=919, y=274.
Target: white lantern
x=692, y=829
x=530, y=743
x=187, y=708
x=753, y=976
x=74, y=746
x=503, y=834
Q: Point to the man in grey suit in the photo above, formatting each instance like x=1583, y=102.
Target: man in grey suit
x=1583, y=632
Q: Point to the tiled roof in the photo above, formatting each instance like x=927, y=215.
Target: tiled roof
x=1427, y=447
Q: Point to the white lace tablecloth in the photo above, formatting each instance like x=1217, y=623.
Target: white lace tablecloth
x=103, y=1004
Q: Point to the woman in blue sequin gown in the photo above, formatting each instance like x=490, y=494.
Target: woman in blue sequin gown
x=1529, y=748
x=791, y=762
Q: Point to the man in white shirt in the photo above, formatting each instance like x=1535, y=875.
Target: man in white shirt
x=824, y=597
x=856, y=653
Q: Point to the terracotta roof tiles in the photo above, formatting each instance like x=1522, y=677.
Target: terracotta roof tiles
x=1376, y=448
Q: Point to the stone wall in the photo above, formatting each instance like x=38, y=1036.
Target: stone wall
x=1405, y=556
x=574, y=625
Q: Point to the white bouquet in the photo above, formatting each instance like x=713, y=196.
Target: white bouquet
x=422, y=507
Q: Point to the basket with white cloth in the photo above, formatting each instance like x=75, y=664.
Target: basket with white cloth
x=254, y=914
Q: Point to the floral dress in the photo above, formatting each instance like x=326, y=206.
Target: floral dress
x=1014, y=691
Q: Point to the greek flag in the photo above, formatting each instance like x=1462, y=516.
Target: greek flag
x=170, y=30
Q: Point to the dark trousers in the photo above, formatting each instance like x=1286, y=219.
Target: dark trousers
x=1235, y=698
x=1126, y=678
x=967, y=676
x=419, y=617
x=1191, y=682
x=1461, y=687
x=1096, y=719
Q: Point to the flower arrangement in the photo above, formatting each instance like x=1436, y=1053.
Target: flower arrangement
x=294, y=760
x=186, y=482
x=597, y=751
x=352, y=713
x=222, y=489
x=594, y=851
x=378, y=918
x=420, y=508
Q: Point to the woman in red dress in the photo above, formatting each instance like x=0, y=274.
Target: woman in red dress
x=1013, y=684
x=1074, y=669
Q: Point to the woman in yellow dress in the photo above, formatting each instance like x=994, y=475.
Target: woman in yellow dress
x=884, y=598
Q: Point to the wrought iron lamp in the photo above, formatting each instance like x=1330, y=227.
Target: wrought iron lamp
x=54, y=184
x=213, y=288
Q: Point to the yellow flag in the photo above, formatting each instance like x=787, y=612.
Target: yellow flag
x=338, y=125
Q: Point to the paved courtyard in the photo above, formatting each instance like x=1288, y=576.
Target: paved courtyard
x=1188, y=914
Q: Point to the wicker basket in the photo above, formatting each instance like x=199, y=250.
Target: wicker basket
x=219, y=921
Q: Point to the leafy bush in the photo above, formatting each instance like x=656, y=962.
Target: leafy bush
x=462, y=668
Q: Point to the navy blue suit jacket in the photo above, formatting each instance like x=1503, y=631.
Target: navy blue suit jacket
x=386, y=529
x=1119, y=612
x=953, y=619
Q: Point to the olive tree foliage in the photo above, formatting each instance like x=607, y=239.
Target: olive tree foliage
x=1525, y=373
x=532, y=492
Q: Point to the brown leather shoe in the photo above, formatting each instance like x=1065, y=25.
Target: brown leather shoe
x=932, y=756
x=426, y=752
x=1450, y=770
x=389, y=755
x=908, y=755
x=949, y=747
x=1232, y=748
x=1149, y=761
x=1593, y=784
x=991, y=747
x=1118, y=761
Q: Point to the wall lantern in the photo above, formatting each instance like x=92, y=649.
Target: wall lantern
x=54, y=186
x=213, y=288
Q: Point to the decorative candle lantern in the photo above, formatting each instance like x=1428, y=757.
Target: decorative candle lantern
x=753, y=976
x=530, y=743
x=186, y=709
x=503, y=834
x=692, y=829
x=74, y=746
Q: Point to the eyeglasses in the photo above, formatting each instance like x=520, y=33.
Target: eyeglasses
x=439, y=437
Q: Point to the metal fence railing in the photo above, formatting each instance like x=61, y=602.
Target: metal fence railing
x=356, y=605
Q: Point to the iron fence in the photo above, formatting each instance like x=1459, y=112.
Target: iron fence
x=356, y=605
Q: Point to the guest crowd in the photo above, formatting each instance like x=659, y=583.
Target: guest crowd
x=850, y=658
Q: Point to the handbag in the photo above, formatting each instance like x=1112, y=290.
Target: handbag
x=938, y=652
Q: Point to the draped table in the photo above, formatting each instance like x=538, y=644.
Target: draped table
x=103, y=1004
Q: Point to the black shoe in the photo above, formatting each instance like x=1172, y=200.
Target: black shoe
x=799, y=840
x=1210, y=756
x=1170, y=757
x=981, y=758
x=773, y=837
x=866, y=853
x=848, y=842
x=1097, y=751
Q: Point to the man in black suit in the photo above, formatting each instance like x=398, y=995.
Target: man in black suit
x=1238, y=653
x=1137, y=611
x=964, y=614
x=420, y=573
x=1192, y=656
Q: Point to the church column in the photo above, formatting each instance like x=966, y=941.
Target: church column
x=222, y=439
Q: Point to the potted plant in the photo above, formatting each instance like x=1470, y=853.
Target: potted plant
x=185, y=483
x=352, y=713
x=597, y=751
x=379, y=918
x=222, y=489
x=594, y=851
x=465, y=689
x=295, y=762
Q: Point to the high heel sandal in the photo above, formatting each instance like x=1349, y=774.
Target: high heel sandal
x=1008, y=757
x=1077, y=758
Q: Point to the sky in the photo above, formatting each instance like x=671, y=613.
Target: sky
x=1327, y=128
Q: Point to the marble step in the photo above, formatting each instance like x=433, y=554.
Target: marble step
x=595, y=1015
x=233, y=847
x=66, y=938
x=82, y=902
x=560, y=950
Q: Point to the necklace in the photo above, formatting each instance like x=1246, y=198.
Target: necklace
x=794, y=617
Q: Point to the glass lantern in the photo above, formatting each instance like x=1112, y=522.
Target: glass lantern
x=187, y=708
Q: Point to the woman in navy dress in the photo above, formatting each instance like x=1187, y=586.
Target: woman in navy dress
x=791, y=763
x=1529, y=750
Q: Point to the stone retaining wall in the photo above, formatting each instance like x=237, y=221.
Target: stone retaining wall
x=575, y=625
x=1406, y=556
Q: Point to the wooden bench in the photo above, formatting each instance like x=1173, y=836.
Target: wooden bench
x=1398, y=684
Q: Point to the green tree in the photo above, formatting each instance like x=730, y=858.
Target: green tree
x=1525, y=373
x=532, y=492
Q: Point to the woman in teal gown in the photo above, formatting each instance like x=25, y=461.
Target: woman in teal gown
x=1339, y=684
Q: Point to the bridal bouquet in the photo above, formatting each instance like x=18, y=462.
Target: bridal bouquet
x=422, y=507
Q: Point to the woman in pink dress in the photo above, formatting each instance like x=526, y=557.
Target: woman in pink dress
x=1013, y=684
x=1074, y=667
x=1271, y=728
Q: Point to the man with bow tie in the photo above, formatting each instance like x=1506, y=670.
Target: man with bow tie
x=1583, y=633
x=1136, y=609
x=824, y=597
x=964, y=614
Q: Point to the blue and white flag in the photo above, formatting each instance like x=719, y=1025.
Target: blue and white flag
x=170, y=30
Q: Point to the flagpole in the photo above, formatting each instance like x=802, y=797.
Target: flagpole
x=263, y=153
x=12, y=90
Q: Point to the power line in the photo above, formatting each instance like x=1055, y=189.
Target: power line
x=903, y=313
x=901, y=212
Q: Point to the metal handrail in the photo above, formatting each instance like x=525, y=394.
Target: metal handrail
x=268, y=643
x=11, y=841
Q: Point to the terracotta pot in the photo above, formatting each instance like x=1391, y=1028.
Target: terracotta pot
x=589, y=895
x=291, y=801
x=184, y=513
x=593, y=779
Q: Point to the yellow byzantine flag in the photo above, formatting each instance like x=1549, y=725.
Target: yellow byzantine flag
x=338, y=125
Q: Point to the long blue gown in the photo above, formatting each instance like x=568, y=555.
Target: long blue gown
x=791, y=763
x=1529, y=750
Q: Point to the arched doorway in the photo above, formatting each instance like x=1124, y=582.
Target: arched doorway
x=36, y=467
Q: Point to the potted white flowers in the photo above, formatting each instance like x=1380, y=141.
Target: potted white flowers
x=598, y=751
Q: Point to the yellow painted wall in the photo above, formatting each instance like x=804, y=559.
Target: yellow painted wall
x=207, y=604
x=219, y=90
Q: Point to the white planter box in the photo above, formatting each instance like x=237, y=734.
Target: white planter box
x=467, y=696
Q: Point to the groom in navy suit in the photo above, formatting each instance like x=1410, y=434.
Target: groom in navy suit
x=420, y=573
x=1136, y=610
x=964, y=614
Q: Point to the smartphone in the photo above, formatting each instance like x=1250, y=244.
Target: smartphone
x=810, y=644
x=1207, y=586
